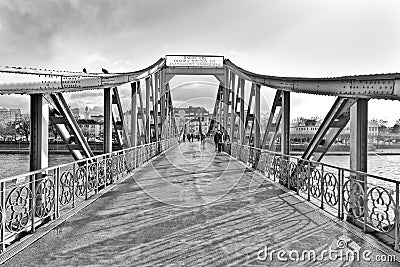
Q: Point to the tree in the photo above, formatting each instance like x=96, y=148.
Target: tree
x=53, y=129
x=22, y=127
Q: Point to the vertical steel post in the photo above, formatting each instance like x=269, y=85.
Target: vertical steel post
x=148, y=132
x=39, y=124
x=358, y=146
x=134, y=87
x=359, y=135
x=285, y=135
x=257, y=117
x=155, y=103
x=242, y=118
x=233, y=106
x=3, y=215
x=396, y=219
x=162, y=103
x=107, y=121
x=226, y=103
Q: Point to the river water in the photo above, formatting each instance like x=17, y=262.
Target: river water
x=385, y=166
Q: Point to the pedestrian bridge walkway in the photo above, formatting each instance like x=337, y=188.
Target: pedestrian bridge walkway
x=192, y=206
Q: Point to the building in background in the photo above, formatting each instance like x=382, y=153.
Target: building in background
x=75, y=113
x=9, y=115
x=91, y=129
x=191, y=119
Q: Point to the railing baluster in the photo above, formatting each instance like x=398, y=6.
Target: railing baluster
x=73, y=185
x=342, y=194
x=365, y=203
x=396, y=220
x=322, y=187
x=57, y=193
x=339, y=188
x=3, y=215
x=87, y=180
x=308, y=175
x=33, y=211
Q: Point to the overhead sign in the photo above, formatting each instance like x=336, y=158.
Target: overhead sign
x=195, y=61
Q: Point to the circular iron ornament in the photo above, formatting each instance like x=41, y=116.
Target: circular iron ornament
x=292, y=174
x=331, y=191
x=66, y=187
x=302, y=177
x=109, y=167
x=18, y=208
x=80, y=182
x=45, y=195
x=381, y=208
x=315, y=183
x=353, y=197
x=92, y=176
x=262, y=162
x=101, y=177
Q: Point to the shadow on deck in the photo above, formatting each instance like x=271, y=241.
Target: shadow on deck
x=194, y=207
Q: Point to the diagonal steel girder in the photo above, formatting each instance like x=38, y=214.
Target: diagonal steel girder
x=334, y=122
x=68, y=128
x=119, y=125
x=271, y=127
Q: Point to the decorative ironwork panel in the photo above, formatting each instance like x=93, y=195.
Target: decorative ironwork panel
x=80, y=182
x=381, y=208
x=331, y=189
x=315, y=182
x=353, y=197
x=18, y=208
x=66, y=188
x=45, y=195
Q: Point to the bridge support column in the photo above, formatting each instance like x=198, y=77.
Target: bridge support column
x=257, y=115
x=242, y=118
x=155, y=102
x=148, y=120
x=226, y=104
x=359, y=135
x=39, y=125
x=358, y=155
x=134, y=86
x=107, y=121
x=285, y=136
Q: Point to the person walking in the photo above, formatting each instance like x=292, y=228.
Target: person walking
x=203, y=140
x=191, y=136
x=216, y=140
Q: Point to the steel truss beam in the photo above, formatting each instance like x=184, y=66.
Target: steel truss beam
x=381, y=86
x=214, y=122
x=334, y=122
x=64, y=81
x=119, y=125
x=271, y=126
x=141, y=117
x=68, y=128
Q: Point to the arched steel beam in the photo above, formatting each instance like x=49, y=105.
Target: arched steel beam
x=381, y=86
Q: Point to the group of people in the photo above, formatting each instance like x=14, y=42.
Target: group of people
x=202, y=137
x=189, y=137
x=218, y=140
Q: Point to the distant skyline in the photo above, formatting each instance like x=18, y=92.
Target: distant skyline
x=308, y=38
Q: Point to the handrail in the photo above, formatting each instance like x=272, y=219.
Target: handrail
x=42, y=195
x=7, y=179
x=370, y=201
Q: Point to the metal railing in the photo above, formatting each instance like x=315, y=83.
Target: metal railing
x=35, y=198
x=368, y=201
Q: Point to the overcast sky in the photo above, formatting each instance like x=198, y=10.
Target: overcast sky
x=311, y=38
